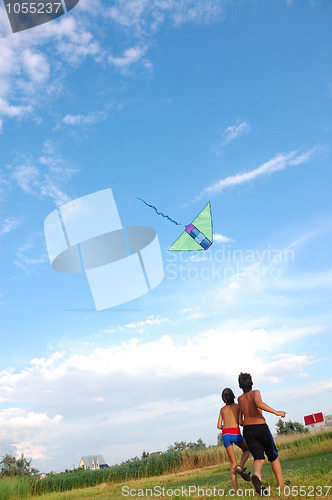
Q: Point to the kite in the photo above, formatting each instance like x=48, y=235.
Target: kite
x=197, y=236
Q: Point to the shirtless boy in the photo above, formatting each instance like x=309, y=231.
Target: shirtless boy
x=229, y=423
x=256, y=432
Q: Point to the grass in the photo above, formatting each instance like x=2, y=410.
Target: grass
x=306, y=461
x=305, y=471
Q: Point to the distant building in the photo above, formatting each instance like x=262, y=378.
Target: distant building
x=315, y=422
x=93, y=462
x=328, y=420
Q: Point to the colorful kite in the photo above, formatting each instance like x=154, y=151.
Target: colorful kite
x=197, y=236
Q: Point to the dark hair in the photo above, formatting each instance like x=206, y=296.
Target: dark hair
x=228, y=396
x=245, y=382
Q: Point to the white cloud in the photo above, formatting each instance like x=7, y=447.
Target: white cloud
x=277, y=163
x=151, y=320
x=89, y=119
x=220, y=238
x=192, y=313
x=148, y=15
x=129, y=57
x=36, y=66
x=9, y=224
x=33, y=63
x=234, y=131
x=140, y=326
x=308, y=236
x=44, y=177
x=164, y=358
x=27, y=257
x=31, y=450
x=11, y=111
x=151, y=374
x=26, y=177
x=26, y=430
x=230, y=133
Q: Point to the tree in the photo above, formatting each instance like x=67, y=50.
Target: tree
x=280, y=427
x=219, y=438
x=10, y=466
x=290, y=427
x=200, y=443
x=180, y=445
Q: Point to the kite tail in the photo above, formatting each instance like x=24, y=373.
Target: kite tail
x=160, y=213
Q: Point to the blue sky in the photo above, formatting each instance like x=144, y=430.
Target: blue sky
x=178, y=103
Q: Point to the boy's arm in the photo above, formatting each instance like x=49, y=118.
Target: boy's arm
x=263, y=406
x=219, y=424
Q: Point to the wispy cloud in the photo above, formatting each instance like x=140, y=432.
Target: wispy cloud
x=140, y=326
x=8, y=225
x=28, y=256
x=235, y=131
x=230, y=134
x=310, y=281
x=130, y=56
x=43, y=177
x=220, y=238
x=33, y=64
x=146, y=16
x=192, y=313
x=82, y=120
x=320, y=228
x=277, y=163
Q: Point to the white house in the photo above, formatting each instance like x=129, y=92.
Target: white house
x=93, y=462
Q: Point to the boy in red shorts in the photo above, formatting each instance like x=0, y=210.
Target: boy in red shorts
x=229, y=423
x=256, y=432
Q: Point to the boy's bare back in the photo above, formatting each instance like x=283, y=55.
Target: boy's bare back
x=229, y=416
x=248, y=405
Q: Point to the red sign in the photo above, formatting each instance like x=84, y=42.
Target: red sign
x=315, y=418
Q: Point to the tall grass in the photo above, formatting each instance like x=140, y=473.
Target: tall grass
x=15, y=488
x=154, y=465
x=299, y=445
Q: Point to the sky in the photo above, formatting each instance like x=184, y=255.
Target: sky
x=177, y=103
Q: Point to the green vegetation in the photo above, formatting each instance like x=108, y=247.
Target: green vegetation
x=306, y=460
x=10, y=466
x=290, y=427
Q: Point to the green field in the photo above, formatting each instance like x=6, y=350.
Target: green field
x=306, y=462
x=309, y=472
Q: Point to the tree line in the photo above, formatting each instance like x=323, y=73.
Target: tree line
x=11, y=466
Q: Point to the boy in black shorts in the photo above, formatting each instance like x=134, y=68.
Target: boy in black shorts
x=256, y=432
